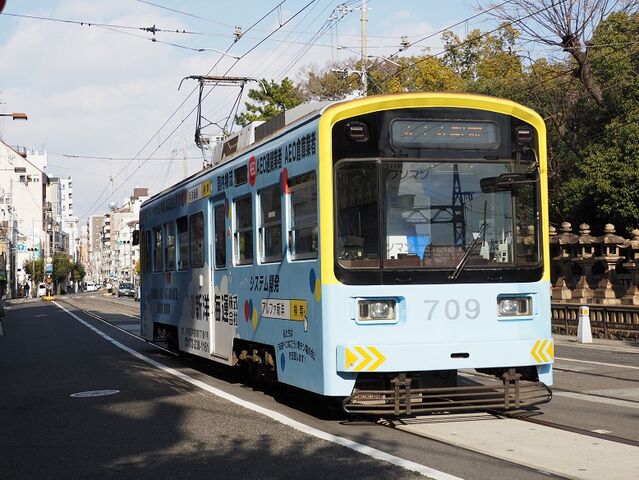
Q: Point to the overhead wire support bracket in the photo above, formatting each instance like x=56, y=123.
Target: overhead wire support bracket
x=213, y=81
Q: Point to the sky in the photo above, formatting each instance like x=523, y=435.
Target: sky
x=102, y=97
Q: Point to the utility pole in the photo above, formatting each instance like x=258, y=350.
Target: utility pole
x=364, y=54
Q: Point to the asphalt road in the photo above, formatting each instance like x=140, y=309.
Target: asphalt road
x=160, y=425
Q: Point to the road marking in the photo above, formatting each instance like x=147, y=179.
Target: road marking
x=278, y=417
x=596, y=399
x=562, y=453
x=616, y=365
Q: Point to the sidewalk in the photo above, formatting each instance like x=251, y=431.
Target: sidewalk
x=596, y=342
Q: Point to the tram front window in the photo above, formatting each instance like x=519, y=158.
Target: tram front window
x=431, y=214
x=357, y=214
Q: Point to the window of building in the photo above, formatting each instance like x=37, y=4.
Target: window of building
x=243, y=231
x=169, y=246
x=196, y=236
x=302, y=235
x=220, y=237
x=157, y=249
x=183, y=243
x=271, y=224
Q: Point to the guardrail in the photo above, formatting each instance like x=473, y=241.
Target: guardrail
x=617, y=322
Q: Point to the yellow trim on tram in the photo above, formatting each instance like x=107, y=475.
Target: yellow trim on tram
x=353, y=108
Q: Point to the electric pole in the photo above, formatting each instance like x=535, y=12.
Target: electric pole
x=364, y=54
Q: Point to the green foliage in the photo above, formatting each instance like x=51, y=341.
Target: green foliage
x=78, y=272
x=270, y=100
x=37, y=266
x=593, y=140
x=62, y=267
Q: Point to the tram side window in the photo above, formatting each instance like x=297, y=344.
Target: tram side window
x=243, y=231
x=157, y=249
x=147, y=251
x=183, y=243
x=302, y=235
x=220, y=237
x=197, y=239
x=271, y=224
x=169, y=248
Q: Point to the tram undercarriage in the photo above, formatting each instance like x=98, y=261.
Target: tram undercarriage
x=413, y=393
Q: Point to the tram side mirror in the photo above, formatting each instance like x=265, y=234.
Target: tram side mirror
x=507, y=182
x=135, y=240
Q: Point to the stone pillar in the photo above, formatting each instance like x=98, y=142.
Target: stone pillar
x=562, y=248
x=631, y=297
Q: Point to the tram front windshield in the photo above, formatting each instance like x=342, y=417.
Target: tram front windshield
x=429, y=215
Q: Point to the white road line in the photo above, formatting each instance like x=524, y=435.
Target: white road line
x=596, y=399
x=615, y=365
x=278, y=417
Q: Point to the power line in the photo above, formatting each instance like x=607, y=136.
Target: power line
x=474, y=39
x=99, y=200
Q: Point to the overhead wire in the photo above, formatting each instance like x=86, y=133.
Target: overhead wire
x=465, y=42
x=99, y=200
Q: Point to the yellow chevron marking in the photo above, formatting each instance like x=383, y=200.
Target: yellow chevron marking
x=380, y=358
x=533, y=352
x=367, y=358
x=351, y=358
x=551, y=350
x=541, y=353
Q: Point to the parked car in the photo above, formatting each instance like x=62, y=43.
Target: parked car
x=91, y=287
x=42, y=290
x=126, y=289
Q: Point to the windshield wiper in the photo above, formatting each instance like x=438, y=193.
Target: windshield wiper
x=462, y=263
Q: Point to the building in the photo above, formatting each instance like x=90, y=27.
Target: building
x=22, y=222
x=94, y=267
x=112, y=255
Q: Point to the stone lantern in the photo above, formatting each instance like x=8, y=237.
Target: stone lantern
x=631, y=296
x=562, y=246
x=585, y=252
x=609, y=247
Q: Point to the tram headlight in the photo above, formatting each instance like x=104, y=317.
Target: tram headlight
x=514, y=306
x=377, y=310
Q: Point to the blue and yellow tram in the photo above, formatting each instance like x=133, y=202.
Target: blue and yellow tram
x=366, y=249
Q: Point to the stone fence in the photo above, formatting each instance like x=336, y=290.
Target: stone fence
x=602, y=272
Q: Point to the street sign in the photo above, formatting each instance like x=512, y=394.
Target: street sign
x=48, y=268
x=21, y=247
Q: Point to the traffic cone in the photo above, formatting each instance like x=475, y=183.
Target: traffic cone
x=584, y=335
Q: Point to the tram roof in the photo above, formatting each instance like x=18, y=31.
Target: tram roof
x=279, y=125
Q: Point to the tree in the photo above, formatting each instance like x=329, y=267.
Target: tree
x=62, y=266
x=603, y=186
x=270, y=100
x=78, y=272
x=486, y=63
x=329, y=83
x=35, y=269
x=567, y=24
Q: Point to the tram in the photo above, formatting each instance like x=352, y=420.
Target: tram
x=369, y=250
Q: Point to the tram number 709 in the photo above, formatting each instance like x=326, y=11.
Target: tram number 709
x=453, y=309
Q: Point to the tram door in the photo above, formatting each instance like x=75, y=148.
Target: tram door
x=222, y=326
